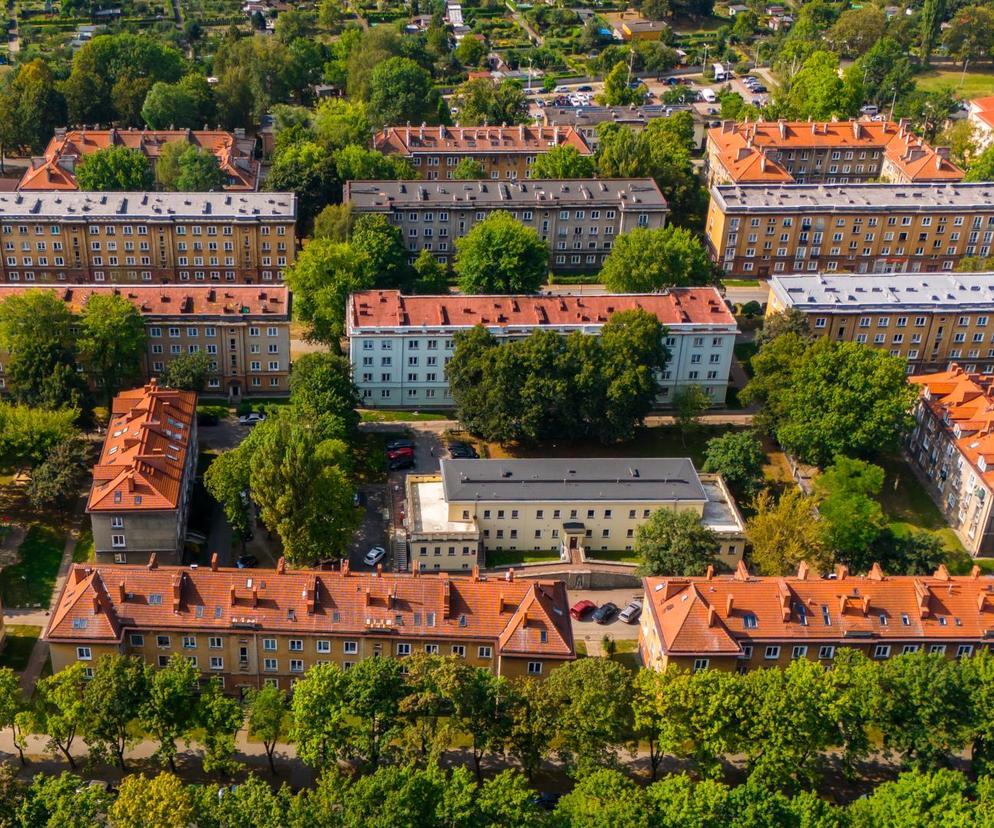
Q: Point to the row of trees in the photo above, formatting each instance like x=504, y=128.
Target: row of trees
x=790, y=725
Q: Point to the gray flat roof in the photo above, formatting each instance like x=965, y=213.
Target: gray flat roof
x=620, y=193
x=572, y=480
x=140, y=206
x=588, y=115
x=885, y=291
x=848, y=198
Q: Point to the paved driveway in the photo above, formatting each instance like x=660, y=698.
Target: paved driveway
x=592, y=632
x=373, y=531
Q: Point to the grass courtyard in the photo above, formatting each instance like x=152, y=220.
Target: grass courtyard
x=975, y=84
x=17, y=647
x=30, y=582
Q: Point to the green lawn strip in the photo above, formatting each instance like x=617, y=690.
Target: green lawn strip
x=618, y=556
x=904, y=499
x=972, y=85
x=31, y=581
x=18, y=644
x=84, y=551
x=740, y=282
x=513, y=558
x=371, y=416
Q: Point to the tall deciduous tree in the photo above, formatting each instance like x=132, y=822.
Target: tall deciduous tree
x=675, y=543
x=431, y=277
x=785, y=532
x=187, y=372
x=382, y=245
x=62, y=708
x=113, y=698
x=738, y=457
x=501, y=255
x=617, y=92
x=168, y=711
x=562, y=161
x=163, y=801
x=334, y=222
x=115, y=169
x=480, y=101
x=374, y=690
x=111, y=341
x=319, y=708
x=850, y=510
x=469, y=169
x=57, y=480
x=321, y=387
x=221, y=717
x=307, y=170
x=267, y=715
x=932, y=16
x=400, y=91
x=11, y=703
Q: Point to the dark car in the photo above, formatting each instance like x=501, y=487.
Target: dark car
x=581, y=608
x=672, y=81
x=397, y=453
x=393, y=445
x=247, y=562
x=759, y=88
x=463, y=450
x=547, y=800
x=585, y=89
x=605, y=613
x=401, y=463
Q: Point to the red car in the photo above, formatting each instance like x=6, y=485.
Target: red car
x=581, y=608
x=403, y=451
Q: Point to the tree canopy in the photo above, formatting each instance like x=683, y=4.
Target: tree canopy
x=115, y=169
x=676, y=543
x=643, y=261
x=501, y=255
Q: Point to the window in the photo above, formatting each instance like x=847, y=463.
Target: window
x=403, y=649
x=351, y=647
x=881, y=651
x=772, y=653
x=214, y=642
x=800, y=651
x=964, y=650
x=323, y=646
x=701, y=664
x=296, y=665
x=459, y=650
x=162, y=641
x=296, y=645
x=269, y=645
x=84, y=654
x=534, y=668
x=137, y=640
x=826, y=652
x=484, y=652
x=189, y=642
x=270, y=665
x=749, y=621
x=117, y=541
x=431, y=649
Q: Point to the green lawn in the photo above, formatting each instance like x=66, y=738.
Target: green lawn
x=18, y=645
x=974, y=85
x=620, y=556
x=32, y=580
x=377, y=416
x=515, y=558
x=740, y=282
x=84, y=551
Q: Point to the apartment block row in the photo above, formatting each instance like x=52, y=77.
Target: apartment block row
x=586, y=119
x=84, y=237
x=267, y=627
x=400, y=345
x=505, y=153
x=575, y=507
x=245, y=330
x=579, y=219
x=759, y=231
x=742, y=622
x=824, y=152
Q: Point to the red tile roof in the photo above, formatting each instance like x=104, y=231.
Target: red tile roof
x=389, y=308
x=743, y=147
x=98, y=603
x=719, y=615
x=176, y=300
x=956, y=398
x=54, y=170
x=482, y=140
x=143, y=457
x=983, y=108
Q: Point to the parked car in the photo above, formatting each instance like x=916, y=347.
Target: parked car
x=251, y=419
x=760, y=89
x=463, y=450
x=581, y=608
x=585, y=88
x=398, y=444
x=401, y=463
x=374, y=556
x=605, y=613
x=547, y=800
x=561, y=89
x=247, y=562
x=672, y=81
x=631, y=613
x=400, y=452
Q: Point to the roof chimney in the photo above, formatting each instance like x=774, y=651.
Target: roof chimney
x=729, y=604
x=153, y=561
x=281, y=566
x=214, y=562
x=803, y=571
x=841, y=571
x=231, y=596
x=942, y=573
x=709, y=573
x=122, y=593
x=875, y=573
x=345, y=568
x=741, y=573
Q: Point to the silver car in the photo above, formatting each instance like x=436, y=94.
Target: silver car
x=631, y=613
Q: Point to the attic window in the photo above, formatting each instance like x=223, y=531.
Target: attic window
x=905, y=620
x=217, y=612
x=117, y=497
x=113, y=450
x=198, y=611
x=825, y=616
x=155, y=598
x=942, y=620
x=79, y=623
x=750, y=621
x=291, y=614
x=802, y=614
x=336, y=616
x=430, y=619
x=462, y=620
x=543, y=637
x=138, y=500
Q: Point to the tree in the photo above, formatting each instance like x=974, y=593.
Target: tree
x=221, y=717
x=168, y=711
x=470, y=51
x=915, y=798
x=63, y=800
x=469, y=169
x=163, y=801
x=982, y=169
x=563, y=162
x=501, y=255
x=57, y=480
x=848, y=505
x=307, y=170
x=187, y=372
x=30, y=435
x=978, y=676
x=115, y=169
x=657, y=9
x=400, y=91
x=532, y=723
x=374, y=690
x=113, y=699
x=381, y=244
x=199, y=171
x=294, y=24
x=617, y=92
x=334, y=222
x=506, y=799
x=644, y=261
x=321, y=278
x=480, y=707
x=738, y=457
x=816, y=90
x=167, y=169
x=689, y=403
x=321, y=387
x=431, y=277
x=857, y=30
x=605, y=797
x=675, y=543
x=960, y=137
x=62, y=708
x=320, y=728
x=884, y=72
x=481, y=101
x=340, y=123
x=111, y=341
x=355, y=163
x=932, y=16
x=267, y=713
x=11, y=703
x=785, y=532
x=591, y=700
x=790, y=320
x=303, y=493
x=32, y=106
x=170, y=106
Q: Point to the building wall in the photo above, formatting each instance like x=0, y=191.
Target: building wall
x=509, y=166
x=386, y=377
x=816, y=165
x=577, y=238
x=142, y=251
x=158, y=532
x=444, y=553
x=884, y=241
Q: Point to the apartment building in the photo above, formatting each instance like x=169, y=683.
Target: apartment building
x=504, y=152
x=262, y=627
x=586, y=119
x=824, y=152
x=83, y=237
x=952, y=449
x=927, y=319
x=756, y=230
x=743, y=622
x=578, y=219
x=142, y=483
x=245, y=329
x=577, y=507
x=399, y=345
x=55, y=169
x=981, y=117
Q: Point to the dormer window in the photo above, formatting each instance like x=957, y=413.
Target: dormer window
x=750, y=621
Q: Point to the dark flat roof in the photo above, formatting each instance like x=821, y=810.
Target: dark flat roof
x=585, y=479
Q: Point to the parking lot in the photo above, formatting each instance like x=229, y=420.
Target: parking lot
x=590, y=631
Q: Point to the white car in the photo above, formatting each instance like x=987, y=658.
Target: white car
x=251, y=419
x=374, y=556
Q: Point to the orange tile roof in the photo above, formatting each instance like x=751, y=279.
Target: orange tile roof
x=145, y=452
x=177, y=300
x=481, y=140
x=54, y=169
x=983, y=108
x=389, y=308
x=98, y=603
x=958, y=399
x=719, y=615
x=742, y=148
